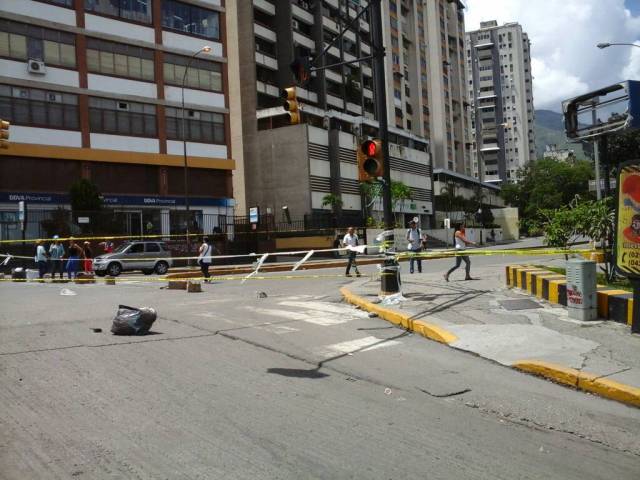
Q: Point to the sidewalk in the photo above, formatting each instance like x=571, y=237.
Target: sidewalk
x=514, y=329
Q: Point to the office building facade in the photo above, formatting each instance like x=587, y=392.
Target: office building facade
x=92, y=89
x=501, y=91
x=299, y=165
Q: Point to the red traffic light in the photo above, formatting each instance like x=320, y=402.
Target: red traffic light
x=369, y=148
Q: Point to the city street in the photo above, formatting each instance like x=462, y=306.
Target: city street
x=297, y=384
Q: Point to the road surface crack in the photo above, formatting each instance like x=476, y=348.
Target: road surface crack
x=530, y=423
x=445, y=395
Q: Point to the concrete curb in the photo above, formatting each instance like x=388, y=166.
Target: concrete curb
x=613, y=304
x=571, y=377
x=427, y=330
x=585, y=381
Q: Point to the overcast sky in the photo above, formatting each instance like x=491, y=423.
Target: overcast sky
x=565, y=61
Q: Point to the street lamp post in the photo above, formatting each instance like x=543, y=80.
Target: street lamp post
x=602, y=46
x=205, y=49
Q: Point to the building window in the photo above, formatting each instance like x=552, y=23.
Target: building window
x=191, y=19
x=202, y=74
x=203, y=127
x=22, y=42
x=122, y=118
x=138, y=10
x=39, y=108
x=119, y=59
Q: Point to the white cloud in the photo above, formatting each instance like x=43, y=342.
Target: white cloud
x=565, y=61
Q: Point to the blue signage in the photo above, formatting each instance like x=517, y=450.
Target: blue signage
x=117, y=200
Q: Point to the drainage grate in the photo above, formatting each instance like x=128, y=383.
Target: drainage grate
x=524, y=304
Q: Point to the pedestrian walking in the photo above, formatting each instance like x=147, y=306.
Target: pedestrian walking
x=107, y=246
x=461, y=244
x=350, y=241
x=73, y=260
x=56, y=255
x=205, y=258
x=41, y=259
x=416, y=240
x=88, y=255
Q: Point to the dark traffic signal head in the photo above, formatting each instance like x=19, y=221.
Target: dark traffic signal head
x=301, y=68
x=370, y=160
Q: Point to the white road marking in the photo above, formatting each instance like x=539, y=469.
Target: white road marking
x=324, y=307
x=359, y=345
x=279, y=329
x=309, y=316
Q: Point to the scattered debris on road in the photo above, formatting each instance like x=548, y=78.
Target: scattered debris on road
x=67, y=292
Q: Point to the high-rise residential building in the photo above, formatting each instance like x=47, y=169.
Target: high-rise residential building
x=426, y=85
x=299, y=165
x=500, y=86
x=92, y=89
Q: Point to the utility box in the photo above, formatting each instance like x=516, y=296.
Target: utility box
x=582, y=297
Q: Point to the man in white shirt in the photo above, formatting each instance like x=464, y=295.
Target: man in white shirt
x=351, y=240
x=415, y=239
x=41, y=259
x=204, y=258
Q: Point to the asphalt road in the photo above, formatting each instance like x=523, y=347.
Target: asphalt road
x=294, y=385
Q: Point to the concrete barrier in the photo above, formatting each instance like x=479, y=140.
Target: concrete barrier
x=613, y=304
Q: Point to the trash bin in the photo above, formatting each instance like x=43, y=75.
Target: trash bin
x=582, y=297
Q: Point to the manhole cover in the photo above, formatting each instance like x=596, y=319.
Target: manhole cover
x=524, y=304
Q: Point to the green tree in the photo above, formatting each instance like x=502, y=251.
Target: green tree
x=547, y=184
x=623, y=146
x=399, y=193
x=332, y=200
x=85, y=196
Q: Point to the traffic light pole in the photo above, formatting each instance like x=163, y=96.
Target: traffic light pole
x=381, y=99
x=390, y=278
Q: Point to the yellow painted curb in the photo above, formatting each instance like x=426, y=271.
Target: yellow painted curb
x=582, y=381
x=427, y=330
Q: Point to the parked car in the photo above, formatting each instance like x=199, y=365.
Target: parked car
x=149, y=257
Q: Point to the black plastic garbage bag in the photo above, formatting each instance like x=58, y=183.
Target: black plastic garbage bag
x=133, y=320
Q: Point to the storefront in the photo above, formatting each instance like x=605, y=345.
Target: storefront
x=126, y=214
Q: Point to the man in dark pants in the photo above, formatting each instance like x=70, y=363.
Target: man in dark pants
x=56, y=254
x=351, y=240
x=204, y=258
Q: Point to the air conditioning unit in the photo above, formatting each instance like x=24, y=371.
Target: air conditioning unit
x=123, y=106
x=193, y=114
x=356, y=85
x=295, y=25
x=54, y=97
x=36, y=66
x=326, y=123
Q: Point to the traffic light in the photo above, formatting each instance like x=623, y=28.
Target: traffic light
x=301, y=68
x=370, y=160
x=4, y=134
x=291, y=104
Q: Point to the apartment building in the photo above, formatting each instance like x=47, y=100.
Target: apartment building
x=501, y=89
x=298, y=165
x=426, y=76
x=92, y=89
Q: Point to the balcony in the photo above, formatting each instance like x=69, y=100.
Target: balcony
x=265, y=6
x=267, y=89
x=301, y=14
x=266, y=61
x=264, y=32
